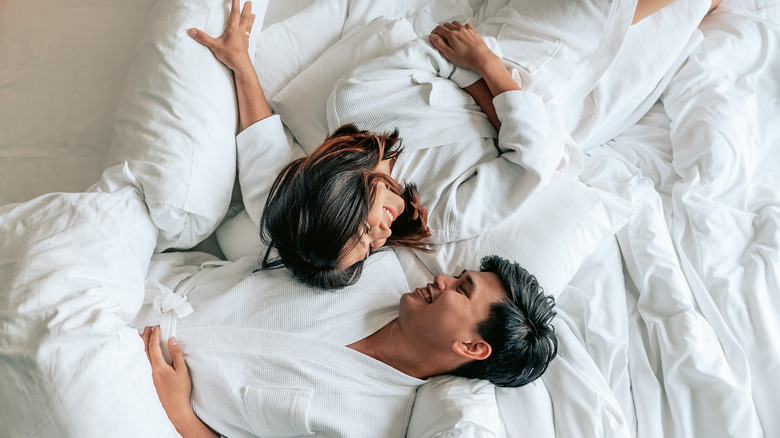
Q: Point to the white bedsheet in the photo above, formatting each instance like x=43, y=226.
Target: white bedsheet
x=675, y=333
x=703, y=255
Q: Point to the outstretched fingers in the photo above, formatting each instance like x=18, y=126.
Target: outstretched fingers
x=247, y=17
x=235, y=10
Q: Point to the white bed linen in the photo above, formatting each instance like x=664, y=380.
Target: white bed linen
x=72, y=270
x=687, y=347
x=704, y=255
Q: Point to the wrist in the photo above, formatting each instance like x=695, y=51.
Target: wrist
x=243, y=67
x=490, y=65
x=498, y=78
x=181, y=415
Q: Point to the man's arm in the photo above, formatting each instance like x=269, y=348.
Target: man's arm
x=173, y=386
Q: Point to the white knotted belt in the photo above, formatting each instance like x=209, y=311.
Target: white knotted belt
x=172, y=303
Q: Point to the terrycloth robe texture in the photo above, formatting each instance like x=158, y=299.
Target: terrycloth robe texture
x=268, y=356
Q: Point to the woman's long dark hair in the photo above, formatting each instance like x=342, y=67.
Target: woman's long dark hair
x=319, y=204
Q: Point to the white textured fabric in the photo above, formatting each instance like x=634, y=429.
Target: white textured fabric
x=62, y=79
x=267, y=355
x=550, y=236
x=263, y=150
x=448, y=406
x=285, y=48
x=302, y=103
x=654, y=49
x=72, y=272
x=560, y=48
x=449, y=150
x=176, y=121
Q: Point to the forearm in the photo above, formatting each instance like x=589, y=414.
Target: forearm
x=496, y=76
x=190, y=426
x=481, y=94
x=252, y=106
x=496, y=79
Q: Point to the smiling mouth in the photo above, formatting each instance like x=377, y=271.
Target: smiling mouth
x=390, y=214
x=425, y=293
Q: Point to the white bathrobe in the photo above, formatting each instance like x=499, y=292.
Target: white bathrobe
x=268, y=356
x=568, y=56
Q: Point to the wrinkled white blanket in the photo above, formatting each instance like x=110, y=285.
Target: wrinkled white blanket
x=674, y=334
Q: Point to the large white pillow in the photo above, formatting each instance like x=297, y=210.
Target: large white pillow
x=72, y=270
x=176, y=120
x=285, y=48
x=550, y=236
x=302, y=103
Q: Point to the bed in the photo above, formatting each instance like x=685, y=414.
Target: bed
x=663, y=252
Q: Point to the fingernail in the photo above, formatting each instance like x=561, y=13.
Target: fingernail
x=193, y=33
x=174, y=341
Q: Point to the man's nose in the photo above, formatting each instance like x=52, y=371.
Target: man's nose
x=442, y=281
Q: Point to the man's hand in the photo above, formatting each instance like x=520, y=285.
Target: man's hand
x=232, y=47
x=173, y=385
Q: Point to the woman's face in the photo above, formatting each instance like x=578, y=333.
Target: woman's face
x=386, y=208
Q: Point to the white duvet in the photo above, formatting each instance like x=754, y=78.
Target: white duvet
x=72, y=269
x=671, y=329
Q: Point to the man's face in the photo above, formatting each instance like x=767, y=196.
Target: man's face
x=449, y=309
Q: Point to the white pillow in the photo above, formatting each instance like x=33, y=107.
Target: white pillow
x=285, y=48
x=176, y=120
x=550, y=236
x=455, y=407
x=302, y=103
x=238, y=237
x=72, y=270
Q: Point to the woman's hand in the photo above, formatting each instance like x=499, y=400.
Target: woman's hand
x=232, y=48
x=173, y=385
x=463, y=46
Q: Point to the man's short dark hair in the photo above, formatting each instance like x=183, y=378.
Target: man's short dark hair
x=519, y=329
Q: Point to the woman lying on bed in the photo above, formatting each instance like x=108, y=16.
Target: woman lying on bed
x=326, y=213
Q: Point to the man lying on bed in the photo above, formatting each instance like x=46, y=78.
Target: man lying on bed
x=270, y=357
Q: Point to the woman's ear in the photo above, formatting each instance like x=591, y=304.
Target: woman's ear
x=476, y=350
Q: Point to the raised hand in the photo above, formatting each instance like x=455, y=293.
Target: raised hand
x=232, y=46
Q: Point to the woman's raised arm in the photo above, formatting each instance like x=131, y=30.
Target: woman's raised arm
x=232, y=49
